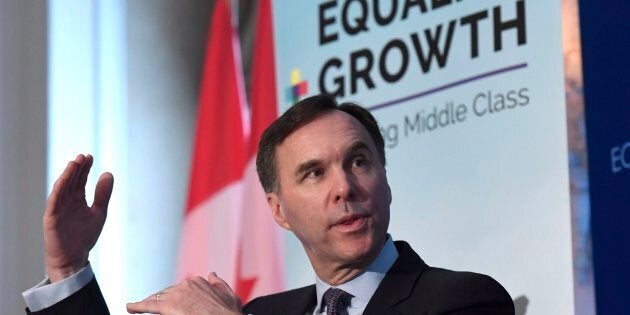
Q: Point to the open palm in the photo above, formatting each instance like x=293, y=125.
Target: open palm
x=71, y=227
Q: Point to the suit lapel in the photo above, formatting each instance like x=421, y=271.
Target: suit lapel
x=302, y=303
x=398, y=283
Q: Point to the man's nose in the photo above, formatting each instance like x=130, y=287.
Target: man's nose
x=344, y=187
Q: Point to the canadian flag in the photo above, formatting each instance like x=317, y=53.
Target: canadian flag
x=211, y=230
x=228, y=227
x=261, y=254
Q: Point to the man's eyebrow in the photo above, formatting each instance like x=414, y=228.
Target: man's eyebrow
x=358, y=146
x=310, y=164
x=307, y=166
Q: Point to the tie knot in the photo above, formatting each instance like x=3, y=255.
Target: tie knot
x=336, y=301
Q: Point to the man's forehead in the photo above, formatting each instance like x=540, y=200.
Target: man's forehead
x=333, y=128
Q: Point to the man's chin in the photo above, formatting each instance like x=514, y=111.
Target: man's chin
x=361, y=251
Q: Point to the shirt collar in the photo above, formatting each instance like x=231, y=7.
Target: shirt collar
x=365, y=284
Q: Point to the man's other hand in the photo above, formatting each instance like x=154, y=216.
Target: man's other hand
x=71, y=227
x=193, y=296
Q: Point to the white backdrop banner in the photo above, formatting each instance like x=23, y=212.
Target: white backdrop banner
x=470, y=98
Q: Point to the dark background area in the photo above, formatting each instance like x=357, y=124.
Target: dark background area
x=605, y=30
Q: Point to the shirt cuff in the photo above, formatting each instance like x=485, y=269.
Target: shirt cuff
x=46, y=294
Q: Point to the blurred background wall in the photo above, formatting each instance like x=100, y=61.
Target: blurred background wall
x=23, y=27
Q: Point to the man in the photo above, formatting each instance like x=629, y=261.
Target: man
x=323, y=169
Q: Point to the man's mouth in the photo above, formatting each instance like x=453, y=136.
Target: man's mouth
x=351, y=222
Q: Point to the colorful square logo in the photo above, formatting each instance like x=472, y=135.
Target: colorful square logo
x=298, y=88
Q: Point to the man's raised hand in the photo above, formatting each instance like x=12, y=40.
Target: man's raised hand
x=71, y=227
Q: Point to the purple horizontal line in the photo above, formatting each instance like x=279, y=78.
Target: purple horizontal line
x=448, y=86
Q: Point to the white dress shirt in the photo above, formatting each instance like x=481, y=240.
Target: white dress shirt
x=362, y=287
x=46, y=294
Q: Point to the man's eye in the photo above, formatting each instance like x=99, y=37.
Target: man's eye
x=360, y=162
x=315, y=173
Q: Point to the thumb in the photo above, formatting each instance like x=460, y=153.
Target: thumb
x=218, y=283
x=103, y=191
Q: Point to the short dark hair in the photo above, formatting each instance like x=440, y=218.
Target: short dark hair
x=299, y=114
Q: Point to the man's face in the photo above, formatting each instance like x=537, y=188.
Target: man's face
x=333, y=191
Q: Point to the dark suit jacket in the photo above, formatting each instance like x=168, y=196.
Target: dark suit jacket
x=410, y=287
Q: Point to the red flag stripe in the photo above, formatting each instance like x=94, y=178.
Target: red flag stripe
x=211, y=225
x=263, y=82
x=260, y=269
x=219, y=139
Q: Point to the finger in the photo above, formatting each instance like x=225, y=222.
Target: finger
x=221, y=285
x=166, y=289
x=85, y=170
x=72, y=184
x=60, y=188
x=57, y=189
x=218, y=283
x=146, y=306
x=159, y=296
x=103, y=191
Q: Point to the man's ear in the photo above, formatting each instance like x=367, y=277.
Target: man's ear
x=276, y=210
x=389, y=195
x=389, y=189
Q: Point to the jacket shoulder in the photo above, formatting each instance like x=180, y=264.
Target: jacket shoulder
x=463, y=292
